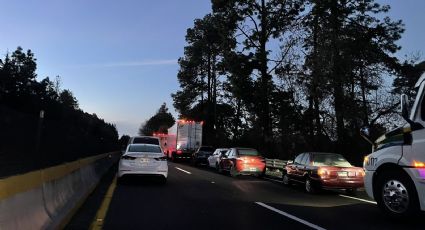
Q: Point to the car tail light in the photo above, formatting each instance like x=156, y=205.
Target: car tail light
x=163, y=158
x=323, y=172
x=128, y=157
x=242, y=160
x=360, y=172
x=179, y=152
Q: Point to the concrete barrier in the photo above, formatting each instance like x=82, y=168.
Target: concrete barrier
x=47, y=198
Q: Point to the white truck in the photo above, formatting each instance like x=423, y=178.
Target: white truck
x=395, y=170
x=182, y=140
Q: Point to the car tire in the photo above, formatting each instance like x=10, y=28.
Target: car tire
x=285, y=180
x=163, y=180
x=309, y=186
x=400, y=185
x=351, y=191
x=233, y=172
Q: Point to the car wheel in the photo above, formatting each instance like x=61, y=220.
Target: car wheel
x=309, y=186
x=220, y=169
x=285, y=179
x=163, y=180
x=233, y=172
x=396, y=195
x=351, y=191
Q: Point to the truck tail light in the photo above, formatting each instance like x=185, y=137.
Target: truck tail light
x=418, y=164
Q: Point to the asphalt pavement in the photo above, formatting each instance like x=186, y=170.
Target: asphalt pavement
x=200, y=198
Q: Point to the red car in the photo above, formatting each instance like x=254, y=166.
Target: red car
x=324, y=170
x=242, y=161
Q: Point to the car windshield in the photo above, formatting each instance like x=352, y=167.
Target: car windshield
x=206, y=149
x=330, y=160
x=146, y=140
x=144, y=148
x=248, y=152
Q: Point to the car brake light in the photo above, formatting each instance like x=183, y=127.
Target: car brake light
x=322, y=172
x=243, y=160
x=163, y=158
x=125, y=157
x=179, y=152
x=360, y=173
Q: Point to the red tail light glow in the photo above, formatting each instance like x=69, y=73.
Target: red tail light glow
x=323, y=172
x=418, y=164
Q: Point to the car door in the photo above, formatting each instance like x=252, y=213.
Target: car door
x=418, y=136
x=225, y=161
x=293, y=168
x=303, y=167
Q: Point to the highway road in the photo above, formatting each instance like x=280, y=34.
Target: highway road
x=199, y=198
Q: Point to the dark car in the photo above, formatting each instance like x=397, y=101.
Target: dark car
x=324, y=170
x=242, y=161
x=201, y=155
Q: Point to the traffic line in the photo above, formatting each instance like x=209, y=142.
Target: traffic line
x=183, y=170
x=290, y=216
x=99, y=219
x=355, y=198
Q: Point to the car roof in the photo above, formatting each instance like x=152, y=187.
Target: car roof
x=140, y=144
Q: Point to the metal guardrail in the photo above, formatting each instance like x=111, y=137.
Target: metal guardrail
x=275, y=167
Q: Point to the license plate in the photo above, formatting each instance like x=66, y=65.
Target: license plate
x=252, y=169
x=144, y=160
x=342, y=174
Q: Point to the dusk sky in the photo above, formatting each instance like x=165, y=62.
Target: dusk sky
x=119, y=58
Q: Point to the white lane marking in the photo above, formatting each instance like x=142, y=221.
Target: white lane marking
x=183, y=170
x=355, y=198
x=290, y=216
x=272, y=179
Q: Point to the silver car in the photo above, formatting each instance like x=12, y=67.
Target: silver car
x=214, y=159
x=145, y=160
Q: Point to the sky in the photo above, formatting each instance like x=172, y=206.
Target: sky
x=119, y=58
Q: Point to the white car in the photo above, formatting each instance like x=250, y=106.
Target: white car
x=214, y=159
x=143, y=159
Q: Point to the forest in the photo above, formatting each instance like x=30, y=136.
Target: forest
x=40, y=123
x=295, y=75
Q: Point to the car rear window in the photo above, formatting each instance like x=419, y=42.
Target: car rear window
x=146, y=140
x=330, y=160
x=248, y=152
x=144, y=148
x=206, y=149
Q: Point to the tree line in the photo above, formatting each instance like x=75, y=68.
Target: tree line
x=294, y=75
x=66, y=132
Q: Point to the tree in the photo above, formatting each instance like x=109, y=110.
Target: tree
x=160, y=122
x=348, y=50
x=259, y=23
x=200, y=69
x=67, y=98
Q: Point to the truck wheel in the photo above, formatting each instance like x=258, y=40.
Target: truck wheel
x=396, y=195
